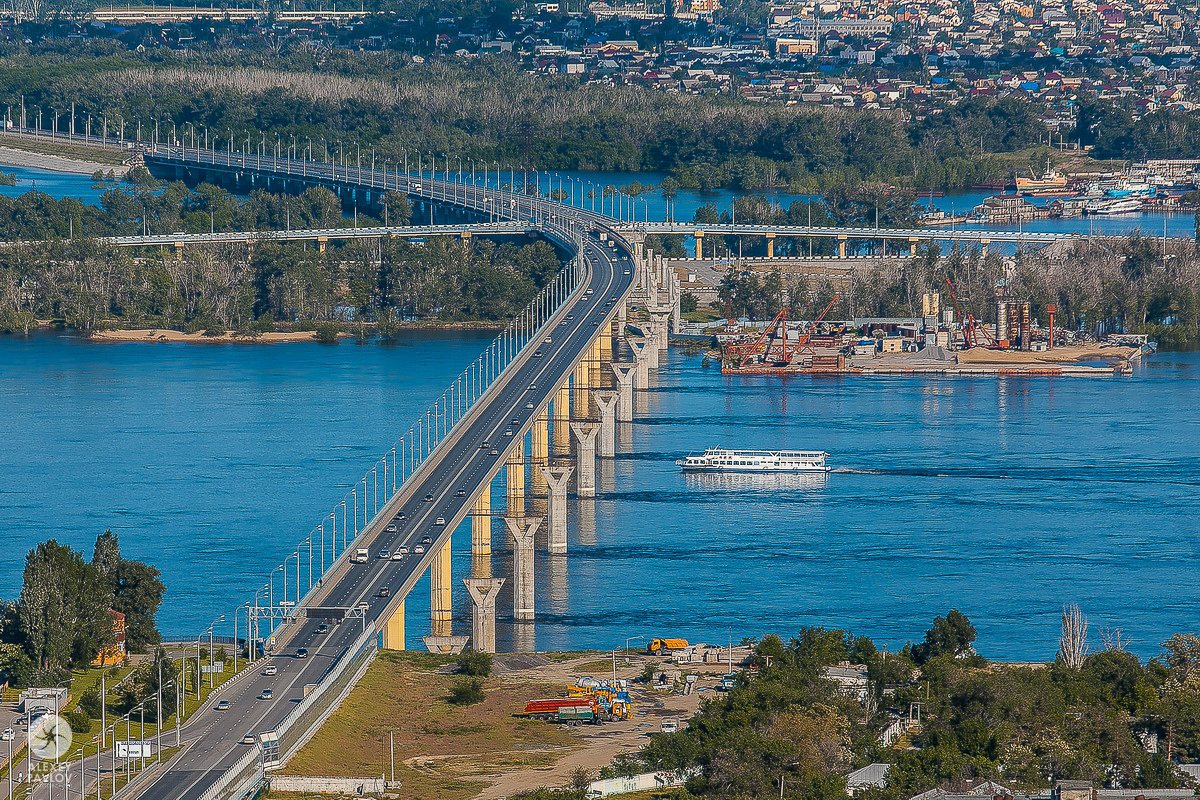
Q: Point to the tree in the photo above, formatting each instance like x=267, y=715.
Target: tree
x=475, y=663
x=950, y=635
x=136, y=590
x=63, y=608
x=465, y=692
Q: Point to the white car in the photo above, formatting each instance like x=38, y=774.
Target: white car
x=419, y=549
x=7, y=735
x=397, y=556
x=270, y=669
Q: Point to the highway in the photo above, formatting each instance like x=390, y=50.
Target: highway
x=472, y=453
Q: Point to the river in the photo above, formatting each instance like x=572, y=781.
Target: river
x=1004, y=498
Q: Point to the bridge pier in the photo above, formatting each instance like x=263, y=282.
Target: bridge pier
x=484, y=592
x=841, y=240
x=556, y=509
x=624, y=375
x=699, y=236
x=585, y=457
x=983, y=245
x=606, y=404
x=481, y=533
x=581, y=400
x=606, y=350
x=539, y=447
x=562, y=420
x=440, y=608
x=522, y=530
x=393, y=629
x=770, y=245
x=515, y=479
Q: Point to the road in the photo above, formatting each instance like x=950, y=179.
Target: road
x=470, y=456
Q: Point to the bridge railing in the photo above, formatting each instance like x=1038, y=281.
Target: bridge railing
x=302, y=573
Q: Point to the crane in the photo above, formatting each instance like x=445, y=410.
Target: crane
x=764, y=344
x=974, y=331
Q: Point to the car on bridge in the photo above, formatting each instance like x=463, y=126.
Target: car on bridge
x=301, y=652
x=461, y=493
x=222, y=705
x=270, y=669
x=267, y=694
x=322, y=628
x=403, y=551
x=249, y=738
x=383, y=555
x=440, y=521
x=398, y=556
x=428, y=498
x=391, y=528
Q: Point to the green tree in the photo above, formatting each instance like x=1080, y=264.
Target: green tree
x=63, y=608
x=950, y=635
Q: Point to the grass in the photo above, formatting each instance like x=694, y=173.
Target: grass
x=442, y=751
x=100, y=155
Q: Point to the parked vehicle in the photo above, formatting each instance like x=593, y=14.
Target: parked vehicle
x=660, y=646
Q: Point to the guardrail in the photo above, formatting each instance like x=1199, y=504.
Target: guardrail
x=328, y=543
x=295, y=729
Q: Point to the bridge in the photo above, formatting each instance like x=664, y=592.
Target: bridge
x=842, y=235
x=564, y=371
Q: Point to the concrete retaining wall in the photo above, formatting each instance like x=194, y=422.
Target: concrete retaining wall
x=289, y=783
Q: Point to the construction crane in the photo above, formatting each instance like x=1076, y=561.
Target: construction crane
x=973, y=330
x=777, y=329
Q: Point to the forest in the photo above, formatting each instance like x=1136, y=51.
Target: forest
x=492, y=111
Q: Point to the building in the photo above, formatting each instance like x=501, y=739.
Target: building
x=116, y=653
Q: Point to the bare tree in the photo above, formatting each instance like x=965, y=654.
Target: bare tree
x=1072, y=642
x=1114, y=639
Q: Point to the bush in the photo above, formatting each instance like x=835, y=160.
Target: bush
x=264, y=324
x=326, y=333
x=215, y=330
x=466, y=692
x=79, y=721
x=90, y=703
x=476, y=663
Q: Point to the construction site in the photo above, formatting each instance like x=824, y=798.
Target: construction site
x=944, y=340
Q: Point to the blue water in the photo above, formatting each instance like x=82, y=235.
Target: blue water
x=1004, y=498
x=55, y=184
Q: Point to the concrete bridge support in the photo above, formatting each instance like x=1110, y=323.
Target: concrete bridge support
x=483, y=592
x=581, y=398
x=539, y=451
x=606, y=441
x=606, y=342
x=522, y=531
x=585, y=457
x=481, y=534
x=515, y=477
x=662, y=330
x=641, y=363
x=440, y=609
x=556, y=509
x=393, y=629
x=561, y=422
x=625, y=375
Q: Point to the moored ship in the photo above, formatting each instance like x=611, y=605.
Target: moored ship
x=717, y=459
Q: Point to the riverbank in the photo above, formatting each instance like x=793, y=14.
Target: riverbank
x=168, y=335
x=273, y=337
x=11, y=156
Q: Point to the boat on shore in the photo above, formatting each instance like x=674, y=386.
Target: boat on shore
x=717, y=459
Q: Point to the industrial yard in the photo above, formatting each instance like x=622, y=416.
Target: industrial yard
x=942, y=341
x=492, y=749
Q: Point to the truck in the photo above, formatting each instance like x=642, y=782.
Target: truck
x=660, y=646
x=563, y=709
x=361, y=555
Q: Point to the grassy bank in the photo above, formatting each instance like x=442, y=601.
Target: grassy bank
x=443, y=751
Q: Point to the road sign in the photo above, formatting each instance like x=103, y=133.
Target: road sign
x=217, y=667
x=134, y=749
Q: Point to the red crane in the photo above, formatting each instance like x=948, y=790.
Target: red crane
x=764, y=344
x=973, y=330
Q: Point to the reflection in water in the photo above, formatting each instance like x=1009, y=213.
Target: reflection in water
x=585, y=529
x=556, y=583
x=522, y=637
x=757, y=480
x=606, y=474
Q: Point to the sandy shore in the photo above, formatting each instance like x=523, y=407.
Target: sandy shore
x=167, y=335
x=12, y=157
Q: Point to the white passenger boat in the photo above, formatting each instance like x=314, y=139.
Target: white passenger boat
x=717, y=459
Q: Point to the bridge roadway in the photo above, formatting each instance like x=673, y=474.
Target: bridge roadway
x=461, y=464
x=966, y=234
x=313, y=234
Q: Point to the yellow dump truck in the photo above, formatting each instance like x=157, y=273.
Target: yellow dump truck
x=660, y=646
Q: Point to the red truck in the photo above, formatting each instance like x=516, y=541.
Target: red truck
x=563, y=709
